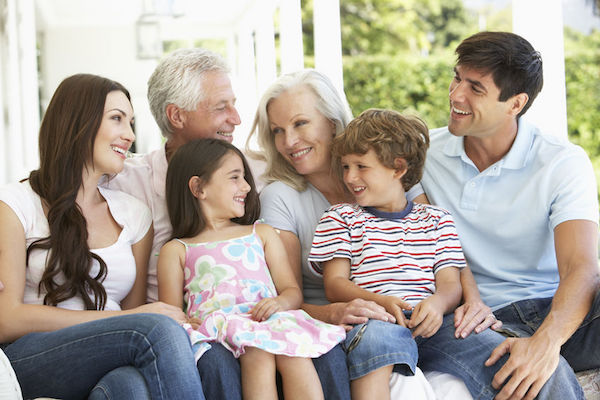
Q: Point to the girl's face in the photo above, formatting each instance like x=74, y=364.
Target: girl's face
x=301, y=133
x=115, y=135
x=224, y=196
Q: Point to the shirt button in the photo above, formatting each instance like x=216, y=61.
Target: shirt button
x=473, y=184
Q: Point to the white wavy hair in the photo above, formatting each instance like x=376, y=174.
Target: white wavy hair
x=178, y=79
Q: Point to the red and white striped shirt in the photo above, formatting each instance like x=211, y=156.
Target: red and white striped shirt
x=394, y=254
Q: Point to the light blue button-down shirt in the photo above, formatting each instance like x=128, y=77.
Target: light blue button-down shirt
x=506, y=215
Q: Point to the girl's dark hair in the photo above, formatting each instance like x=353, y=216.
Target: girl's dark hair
x=66, y=144
x=201, y=158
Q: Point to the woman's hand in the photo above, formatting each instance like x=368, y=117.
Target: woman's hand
x=357, y=311
x=474, y=315
x=265, y=308
x=162, y=308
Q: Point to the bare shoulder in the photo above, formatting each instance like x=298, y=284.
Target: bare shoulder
x=266, y=232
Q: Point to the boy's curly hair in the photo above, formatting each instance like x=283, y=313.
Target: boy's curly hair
x=391, y=135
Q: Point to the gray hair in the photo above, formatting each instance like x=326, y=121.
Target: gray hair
x=178, y=80
x=330, y=103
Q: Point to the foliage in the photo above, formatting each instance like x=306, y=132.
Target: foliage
x=582, y=73
x=392, y=26
x=413, y=84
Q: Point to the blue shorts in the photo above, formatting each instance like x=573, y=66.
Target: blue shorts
x=376, y=344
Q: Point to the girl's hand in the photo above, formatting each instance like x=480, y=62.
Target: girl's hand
x=427, y=317
x=265, y=308
x=394, y=306
x=162, y=308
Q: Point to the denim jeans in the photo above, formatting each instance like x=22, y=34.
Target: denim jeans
x=70, y=362
x=376, y=344
x=465, y=359
x=221, y=375
x=582, y=351
x=121, y=383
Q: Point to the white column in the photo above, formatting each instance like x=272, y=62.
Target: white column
x=30, y=121
x=266, y=63
x=14, y=151
x=328, y=41
x=290, y=29
x=549, y=110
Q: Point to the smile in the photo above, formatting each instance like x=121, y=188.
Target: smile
x=300, y=153
x=120, y=150
x=240, y=199
x=225, y=134
x=461, y=112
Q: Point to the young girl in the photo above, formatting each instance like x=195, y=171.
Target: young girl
x=233, y=274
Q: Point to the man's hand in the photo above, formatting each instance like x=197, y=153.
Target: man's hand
x=531, y=362
x=427, y=317
x=474, y=315
x=357, y=311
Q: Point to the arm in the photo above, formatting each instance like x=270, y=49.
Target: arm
x=533, y=360
x=18, y=319
x=427, y=316
x=171, y=261
x=141, y=254
x=355, y=312
x=338, y=287
x=289, y=293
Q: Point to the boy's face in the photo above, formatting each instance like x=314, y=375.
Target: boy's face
x=372, y=183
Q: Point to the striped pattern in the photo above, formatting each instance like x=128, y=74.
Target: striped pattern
x=395, y=257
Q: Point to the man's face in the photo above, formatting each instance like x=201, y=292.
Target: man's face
x=474, y=106
x=215, y=116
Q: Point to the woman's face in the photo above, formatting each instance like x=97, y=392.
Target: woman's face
x=301, y=133
x=115, y=135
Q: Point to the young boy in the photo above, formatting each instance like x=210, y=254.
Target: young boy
x=402, y=255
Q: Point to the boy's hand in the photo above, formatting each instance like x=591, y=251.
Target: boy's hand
x=265, y=308
x=394, y=306
x=427, y=317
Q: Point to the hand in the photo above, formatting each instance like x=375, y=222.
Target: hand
x=427, y=317
x=531, y=362
x=394, y=306
x=265, y=308
x=162, y=308
x=357, y=311
x=474, y=315
x=194, y=322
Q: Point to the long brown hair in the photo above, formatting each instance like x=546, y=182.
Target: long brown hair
x=66, y=143
x=201, y=158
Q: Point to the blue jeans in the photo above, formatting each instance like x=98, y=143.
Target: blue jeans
x=524, y=317
x=465, y=359
x=121, y=383
x=221, y=375
x=376, y=344
x=70, y=362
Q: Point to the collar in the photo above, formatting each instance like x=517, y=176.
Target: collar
x=517, y=156
x=391, y=215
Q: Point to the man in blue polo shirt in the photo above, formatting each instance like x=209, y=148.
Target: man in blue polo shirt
x=526, y=210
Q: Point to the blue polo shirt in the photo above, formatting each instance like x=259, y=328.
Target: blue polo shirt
x=506, y=215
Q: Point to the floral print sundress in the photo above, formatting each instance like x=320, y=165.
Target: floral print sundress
x=223, y=281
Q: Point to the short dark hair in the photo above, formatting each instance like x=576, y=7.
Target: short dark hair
x=201, y=158
x=391, y=135
x=515, y=65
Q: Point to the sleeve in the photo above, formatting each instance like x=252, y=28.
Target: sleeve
x=448, y=251
x=575, y=193
x=16, y=197
x=414, y=191
x=276, y=207
x=143, y=221
x=332, y=238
